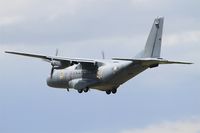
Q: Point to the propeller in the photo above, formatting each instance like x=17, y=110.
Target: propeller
x=52, y=64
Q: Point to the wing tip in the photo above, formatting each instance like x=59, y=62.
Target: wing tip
x=10, y=52
x=184, y=62
x=189, y=63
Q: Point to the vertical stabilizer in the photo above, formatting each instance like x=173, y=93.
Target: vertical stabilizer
x=153, y=44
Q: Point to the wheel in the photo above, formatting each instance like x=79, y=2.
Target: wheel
x=114, y=91
x=80, y=91
x=108, y=92
x=86, y=90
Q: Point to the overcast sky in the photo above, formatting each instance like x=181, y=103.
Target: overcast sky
x=165, y=99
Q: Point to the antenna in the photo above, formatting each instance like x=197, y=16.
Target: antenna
x=56, y=52
x=103, y=54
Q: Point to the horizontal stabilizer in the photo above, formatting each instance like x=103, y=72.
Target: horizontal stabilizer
x=152, y=61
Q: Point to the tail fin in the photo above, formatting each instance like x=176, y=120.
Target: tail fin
x=153, y=44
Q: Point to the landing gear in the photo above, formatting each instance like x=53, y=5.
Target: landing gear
x=80, y=91
x=86, y=90
x=114, y=91
x=108, y=92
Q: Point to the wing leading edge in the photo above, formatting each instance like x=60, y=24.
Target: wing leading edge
x=65, y=61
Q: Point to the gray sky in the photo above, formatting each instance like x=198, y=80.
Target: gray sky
x=165, y=99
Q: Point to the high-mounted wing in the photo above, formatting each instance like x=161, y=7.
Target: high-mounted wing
x=60, y=62
x=29, y=55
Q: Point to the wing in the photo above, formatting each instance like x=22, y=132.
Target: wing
x=152, y=61
x=62, y=61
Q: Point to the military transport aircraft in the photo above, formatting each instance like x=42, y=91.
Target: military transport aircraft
x=101, y=74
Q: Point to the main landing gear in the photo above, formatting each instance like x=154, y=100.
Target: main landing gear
x=80, y=91
x=85, y=90
x=113, y=91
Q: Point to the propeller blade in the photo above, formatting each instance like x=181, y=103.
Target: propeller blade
x=52, y=70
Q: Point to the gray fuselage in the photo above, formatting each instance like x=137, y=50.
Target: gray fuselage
x=110, y=75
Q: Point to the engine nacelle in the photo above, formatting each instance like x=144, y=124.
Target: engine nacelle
x=56, y=63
